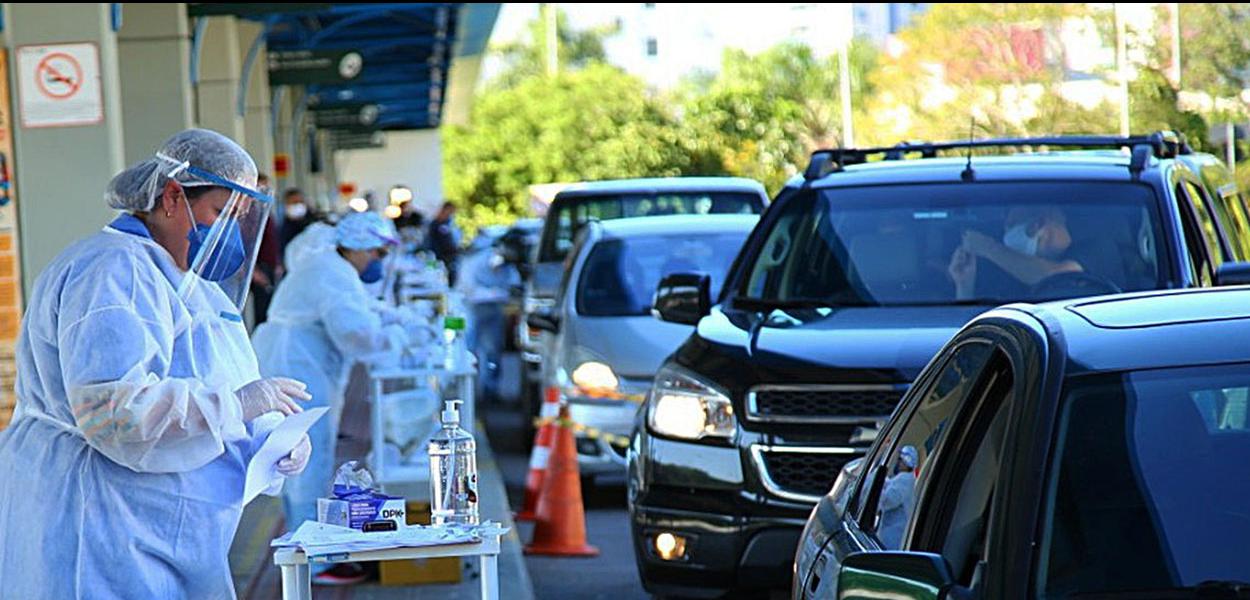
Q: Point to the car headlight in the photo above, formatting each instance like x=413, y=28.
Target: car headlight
x=595, y=379
x=683, y=406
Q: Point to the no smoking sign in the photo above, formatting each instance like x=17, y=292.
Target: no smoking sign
x=59, y=85
x=59, y=75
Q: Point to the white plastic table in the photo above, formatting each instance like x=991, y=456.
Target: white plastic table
x=297, y=577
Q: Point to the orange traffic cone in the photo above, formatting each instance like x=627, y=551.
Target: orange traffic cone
x=561, y=528
x=540, y=456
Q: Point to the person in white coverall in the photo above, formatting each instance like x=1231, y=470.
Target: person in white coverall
x=322, y=320
x=138, y=395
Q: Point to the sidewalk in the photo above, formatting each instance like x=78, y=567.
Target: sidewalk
x=251, y=560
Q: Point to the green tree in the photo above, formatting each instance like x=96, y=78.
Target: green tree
x=764, y=114
x=590, y=124
x=1215, y=52
x=988, y=69
x=592, y=121
x=576, y=49
x=1154, y=105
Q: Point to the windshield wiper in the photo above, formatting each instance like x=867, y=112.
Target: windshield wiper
x=964, y=302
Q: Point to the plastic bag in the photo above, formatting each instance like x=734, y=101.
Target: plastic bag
x=351, y=479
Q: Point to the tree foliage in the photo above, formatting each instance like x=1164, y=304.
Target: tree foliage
x=960, y=69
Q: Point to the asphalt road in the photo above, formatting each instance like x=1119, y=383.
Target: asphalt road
x=610, y=576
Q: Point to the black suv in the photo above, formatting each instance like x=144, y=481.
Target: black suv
x=1085, y=448
x=858, y=273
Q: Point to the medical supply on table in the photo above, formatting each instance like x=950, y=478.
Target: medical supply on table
x=453, y=471
x=322, y=539
x=356, y=503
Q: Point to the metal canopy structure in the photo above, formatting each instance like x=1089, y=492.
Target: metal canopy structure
x=370, y=67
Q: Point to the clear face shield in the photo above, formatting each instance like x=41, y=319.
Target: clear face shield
x=225, y=252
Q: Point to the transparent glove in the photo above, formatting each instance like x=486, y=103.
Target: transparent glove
x=397, y=338
x=295, y=462
x=272, y=394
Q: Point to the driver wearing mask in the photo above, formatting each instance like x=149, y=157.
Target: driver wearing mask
x=1036, y=245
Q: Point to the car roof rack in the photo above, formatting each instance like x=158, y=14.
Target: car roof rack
x=1161, y=144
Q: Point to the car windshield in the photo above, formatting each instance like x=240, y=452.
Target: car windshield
x=569, y=215
x=620, y=275
x=980, y=243
x=1149, y=484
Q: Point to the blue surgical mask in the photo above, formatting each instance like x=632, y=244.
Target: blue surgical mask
x=372, y=272
x=226, y=259
x=1017, y=238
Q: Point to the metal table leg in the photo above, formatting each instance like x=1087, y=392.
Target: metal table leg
x=296, y=582
x=378, y=433
x=490, y=576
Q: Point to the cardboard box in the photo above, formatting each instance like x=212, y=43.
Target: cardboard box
x=414, y=572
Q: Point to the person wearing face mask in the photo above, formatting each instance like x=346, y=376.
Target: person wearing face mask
x=322, y=319
x=296, y=215
x=140, y=402
x=444, y=240
x=1036, y=245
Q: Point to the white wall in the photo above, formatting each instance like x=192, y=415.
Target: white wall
x=411, y=158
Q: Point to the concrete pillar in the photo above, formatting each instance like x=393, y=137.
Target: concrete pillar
x=326, y=184
x=296, y=136
x=62, y=171
x=281, y=116
x=257, y=116
x=331, y=167
x=154, y=46
x=217, y=91
x=287, y=141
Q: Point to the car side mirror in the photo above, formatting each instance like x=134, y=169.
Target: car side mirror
x=543, y=321
x=683, y=298
x=1233, y=273
x=916, y=575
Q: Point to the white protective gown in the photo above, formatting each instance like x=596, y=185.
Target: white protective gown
x=122, y=473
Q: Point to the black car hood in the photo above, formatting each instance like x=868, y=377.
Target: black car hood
x=882, y=339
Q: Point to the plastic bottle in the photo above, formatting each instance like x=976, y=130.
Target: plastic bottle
x=453, y=471
x=453, y=335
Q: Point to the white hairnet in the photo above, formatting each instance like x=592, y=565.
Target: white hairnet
x=363, y=231
x=137, y=188
x=908, y=456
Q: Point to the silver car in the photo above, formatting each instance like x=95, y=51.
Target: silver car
x=581, y=203
x=605, y=347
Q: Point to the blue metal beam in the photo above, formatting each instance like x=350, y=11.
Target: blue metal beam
x=408, y=49
x=375, y=95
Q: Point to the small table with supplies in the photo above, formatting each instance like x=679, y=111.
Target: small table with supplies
x=297, y=577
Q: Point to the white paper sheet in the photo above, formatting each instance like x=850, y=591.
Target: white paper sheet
x=262, y=472
x=319, y=539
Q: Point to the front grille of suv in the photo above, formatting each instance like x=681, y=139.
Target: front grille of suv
x=801, y=473
x=823, y=403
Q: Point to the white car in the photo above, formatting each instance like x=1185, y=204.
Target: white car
x=605, y=347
